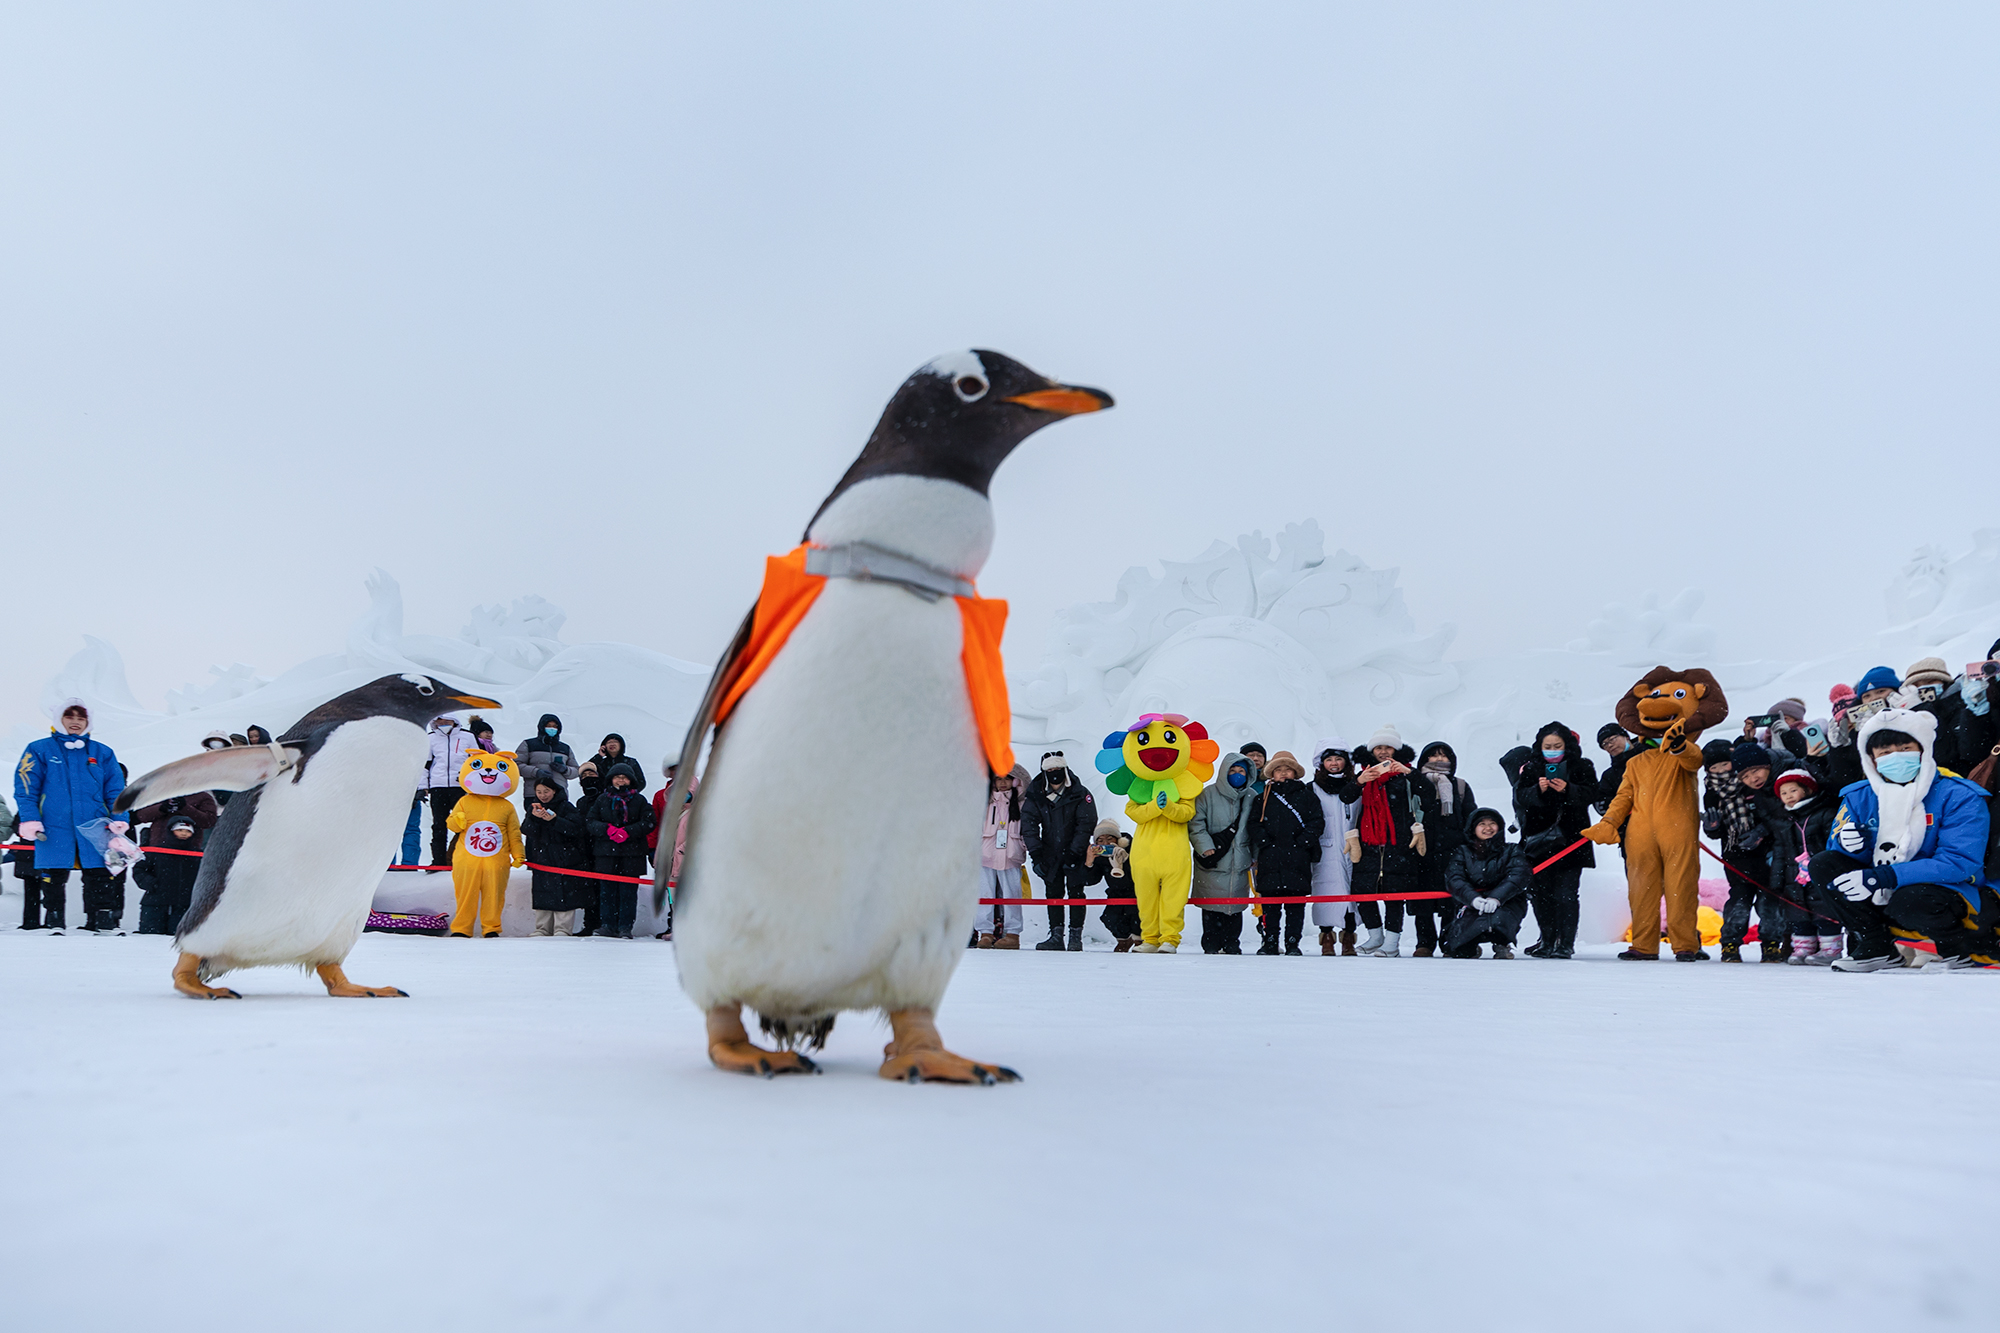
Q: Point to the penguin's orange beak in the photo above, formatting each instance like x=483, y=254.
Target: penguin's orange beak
x=472, y=701
x=1064, y=400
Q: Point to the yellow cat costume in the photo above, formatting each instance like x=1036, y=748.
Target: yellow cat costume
x=489, y=842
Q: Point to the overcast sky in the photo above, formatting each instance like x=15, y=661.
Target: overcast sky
x=1545, y=304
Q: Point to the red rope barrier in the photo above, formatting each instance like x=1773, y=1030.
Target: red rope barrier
x=554, y=870
x=1226, y=902
x=1558, y=856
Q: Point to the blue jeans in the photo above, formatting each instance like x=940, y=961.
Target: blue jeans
x=413, y=836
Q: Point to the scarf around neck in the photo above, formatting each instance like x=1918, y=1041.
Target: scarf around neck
x=1378, y=826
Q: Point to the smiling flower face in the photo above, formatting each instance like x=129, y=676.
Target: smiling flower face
x=1161, y=752
x=484, y=774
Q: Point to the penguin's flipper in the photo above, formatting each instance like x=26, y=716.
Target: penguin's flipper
x=239, y=768
x=697, y=735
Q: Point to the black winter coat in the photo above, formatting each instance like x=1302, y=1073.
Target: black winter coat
x=631, y=810
x=1963, y=738
x=1057, y=833
x=1285, y=824
x=1392, y=867
x=1804, y=831
x=552, y=756
x=1493, y=869
x=1443, y=834
x=600, y=781
x=1551, y=820
x=558, y=841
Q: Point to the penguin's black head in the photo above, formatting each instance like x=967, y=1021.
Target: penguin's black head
x=959, y=417
x=415, y=698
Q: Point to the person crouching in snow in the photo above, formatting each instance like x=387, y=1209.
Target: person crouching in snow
x=1223, y=850
x=1286, y=822
x=1104, y=863
x=556, y=838
x=1907, y=851
x=489, y=842
x=1489, y=877
x=167, y=882
x=1001, y=856
x=1808, y=823
x=619, y=820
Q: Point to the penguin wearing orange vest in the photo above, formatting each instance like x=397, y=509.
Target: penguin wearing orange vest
x=871, y=640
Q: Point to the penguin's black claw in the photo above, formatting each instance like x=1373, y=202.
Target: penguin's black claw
x=224, y=993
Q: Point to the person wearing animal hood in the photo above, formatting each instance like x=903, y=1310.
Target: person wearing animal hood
x=66, y=780
x=1907, y=852
x=1386, y=841
x=1488, y=877
x=1655, y=807
x=1286, y=826
x=1448, y=805
x=1223, y=851
x=1553, y=795
x=1335, y=921
x=547, y=752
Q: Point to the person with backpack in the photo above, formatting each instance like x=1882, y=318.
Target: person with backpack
x=1224, y=849
x=1285, y=825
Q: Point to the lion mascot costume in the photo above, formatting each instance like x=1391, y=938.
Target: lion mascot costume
x=1656, y=805
x=489, y=841
x=1158, y=765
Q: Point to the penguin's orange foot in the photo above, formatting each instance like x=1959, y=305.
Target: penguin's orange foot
x=730, y=1048
x=187, y=980
x=916, y=1054
x=339, y=986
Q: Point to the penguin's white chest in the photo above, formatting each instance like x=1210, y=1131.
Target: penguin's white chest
x=837, y=854
x=299, y=888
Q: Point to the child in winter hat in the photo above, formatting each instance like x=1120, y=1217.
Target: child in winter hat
x=1880, y=681
x=1842, y=698
x=1104, y=863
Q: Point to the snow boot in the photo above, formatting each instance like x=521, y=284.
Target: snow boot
x=1802, y=950
x=1372, y=943
x=1269, y=945
x=1868, y=964
x=1347, y=942
x=1053, y=944
x=1732, y=953
x=1691, y=955
x=1329, y=942
x=1539, y=949
x=984, y=941
x=1640, y=956
x=1421, y=951
x=1124, y=946
x=1829, y=951
x=1774, y=951
x=1292, y=949
x=1076, y=939
x=1168, y=948
x=1504, y=950
x=1391, y=946
x=1007, y=941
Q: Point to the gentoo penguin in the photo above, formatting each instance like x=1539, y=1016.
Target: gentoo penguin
x=858, y=892
x=292, y=866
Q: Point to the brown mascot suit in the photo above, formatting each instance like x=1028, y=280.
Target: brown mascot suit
x=1669, y=709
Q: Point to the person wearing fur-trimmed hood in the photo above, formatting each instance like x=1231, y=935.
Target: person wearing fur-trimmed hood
x=1907, y=852
x=1286, y=827
x=1223, y=851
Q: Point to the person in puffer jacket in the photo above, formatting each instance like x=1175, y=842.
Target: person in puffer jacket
x=450, y=744
x=1489, y=878
x=619, y=820
x=1105, y=861
x=1815, y=922
x=1224, y=848
x=1448, y=806
x=1001, y=856
x=1286, y=822
x=1386, y=842
x=1554, y=794
x=1907, y=852
x=1335, y=921
x=548, y=752
x=555, y=837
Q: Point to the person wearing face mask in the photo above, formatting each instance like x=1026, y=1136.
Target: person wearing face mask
x=65, y=780
x=1448, y=805
x=1056, y=820
x=1907, y=850
x=1554, y=794
x=1223, y=851
x=547, y=752
x=450, y=744
x=1965, y=717
x=1332, y=872
x=1815, y=919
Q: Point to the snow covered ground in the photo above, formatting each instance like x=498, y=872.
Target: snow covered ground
x=535, y=1140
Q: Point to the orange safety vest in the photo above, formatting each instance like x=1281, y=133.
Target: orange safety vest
x=789, y=592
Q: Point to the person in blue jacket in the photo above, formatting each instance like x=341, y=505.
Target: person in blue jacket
x=64, y=780
x=1907, y=851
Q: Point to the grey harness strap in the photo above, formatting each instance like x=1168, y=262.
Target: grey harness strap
x=858, y=560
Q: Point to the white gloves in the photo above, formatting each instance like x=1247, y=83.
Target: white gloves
x=1851, y=842
x=29, y=830
x=1881, y=898
x=1853, y=885
x=1485, y=906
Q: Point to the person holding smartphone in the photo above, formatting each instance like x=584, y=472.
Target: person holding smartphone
x=1386, y=839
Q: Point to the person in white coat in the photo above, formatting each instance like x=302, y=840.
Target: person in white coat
x=1331, y=872
x=450, y=744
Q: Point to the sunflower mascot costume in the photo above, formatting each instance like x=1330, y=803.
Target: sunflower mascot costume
x=489, y=840
x=1158, y=765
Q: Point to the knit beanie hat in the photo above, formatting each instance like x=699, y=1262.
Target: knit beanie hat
x=1928, y=671
x=1842, y=698
x=1747, y=754
x=1106, y=828
x=1252, y=747
x=1793, y=709
x=1878, y=678
x=1607, y=731
x=1797, y=775
x=1717, y=752
x=1283, y=759
x=1386, y=734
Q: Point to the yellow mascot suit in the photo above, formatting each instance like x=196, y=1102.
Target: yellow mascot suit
x=489, y=841
x=1655, y=805
x=1158, y=765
